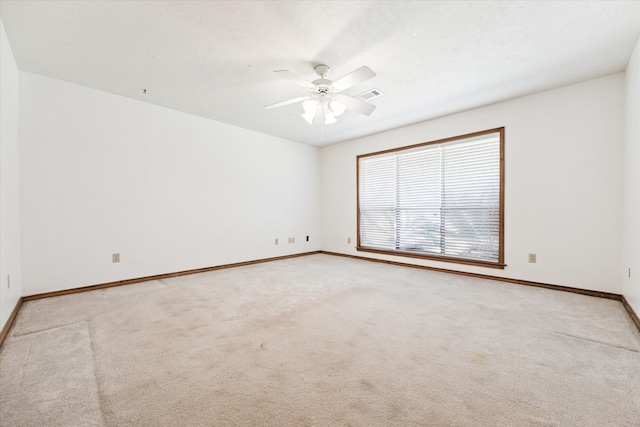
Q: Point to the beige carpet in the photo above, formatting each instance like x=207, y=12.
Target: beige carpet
x=321, y=341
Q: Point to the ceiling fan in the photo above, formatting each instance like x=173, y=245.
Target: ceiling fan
x=325, y=100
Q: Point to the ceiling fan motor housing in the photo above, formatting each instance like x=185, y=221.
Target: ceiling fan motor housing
x=323, y=87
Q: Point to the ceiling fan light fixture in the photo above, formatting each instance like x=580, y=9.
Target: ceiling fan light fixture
x=337, y=108
x=329, y=118
x=309, y=106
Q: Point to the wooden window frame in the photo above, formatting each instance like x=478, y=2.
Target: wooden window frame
x=500, y=263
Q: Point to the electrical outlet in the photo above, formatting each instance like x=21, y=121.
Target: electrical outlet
x=8, y=281
x=115, y=258
x=532, y=258
x=292, y=239
x=348, y=240
x=276, y=241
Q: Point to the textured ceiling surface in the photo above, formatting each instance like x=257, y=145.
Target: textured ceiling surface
x=216, y=58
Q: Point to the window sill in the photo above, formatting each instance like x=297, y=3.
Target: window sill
x=478, y=263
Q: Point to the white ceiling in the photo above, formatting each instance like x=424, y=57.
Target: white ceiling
x=215, y=58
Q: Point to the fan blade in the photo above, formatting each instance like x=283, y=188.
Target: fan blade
x=355, y=104
x=287, y=102
x=295, y=78
x=356, y=77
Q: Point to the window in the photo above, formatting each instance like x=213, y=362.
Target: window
x=441, y=200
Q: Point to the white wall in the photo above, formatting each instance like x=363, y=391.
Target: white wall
x=631, y=227
x=563, y=185
x=169, y=191
x=9, y=183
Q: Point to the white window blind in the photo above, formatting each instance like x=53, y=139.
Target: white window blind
x=440, y=199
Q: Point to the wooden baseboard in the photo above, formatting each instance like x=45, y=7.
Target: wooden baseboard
x=12, y=317
x=631, y=311
x=158, y=277
x=598, y=294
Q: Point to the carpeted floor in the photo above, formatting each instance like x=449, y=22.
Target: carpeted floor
x=321, y=341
